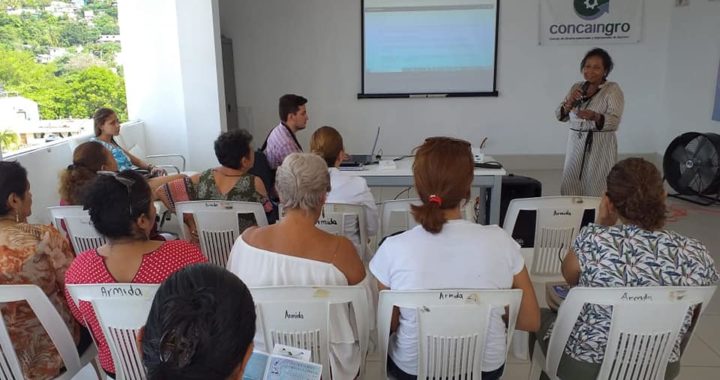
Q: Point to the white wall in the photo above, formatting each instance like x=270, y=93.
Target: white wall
x=152, y=72
x=694, y=47
x=173, y=75
x=201, y=68
x=312, y=47
x=44, y=167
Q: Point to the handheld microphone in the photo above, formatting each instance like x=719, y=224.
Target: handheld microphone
x=583, y=94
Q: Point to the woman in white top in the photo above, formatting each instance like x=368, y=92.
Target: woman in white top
x=328, y=143
x=295, y=252
x=446, y=252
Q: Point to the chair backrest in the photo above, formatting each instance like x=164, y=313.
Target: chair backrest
x=347, y=220
x=557, y=224
x=398, y=208
x=121, y=310
x=132, y=138
x=452, y=324
x=51, y=321
x=639, y=344
x=298, y=316
x=217, y=225
x=59, y=213
x=81, y=233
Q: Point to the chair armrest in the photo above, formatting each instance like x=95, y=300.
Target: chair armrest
x=173, y=167
x=175, y=155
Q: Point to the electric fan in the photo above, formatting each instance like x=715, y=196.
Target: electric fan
x=692, y=167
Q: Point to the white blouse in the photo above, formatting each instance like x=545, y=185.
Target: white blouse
x=353, y=190
x=259, y=267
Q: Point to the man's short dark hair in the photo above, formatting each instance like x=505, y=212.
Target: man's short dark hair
x=290, y=103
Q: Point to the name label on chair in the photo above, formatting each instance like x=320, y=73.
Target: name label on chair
x=627, y=297
x=562, y=213
x=328, y=222
x=456, y=296
x=295, y=315
x=116, y=291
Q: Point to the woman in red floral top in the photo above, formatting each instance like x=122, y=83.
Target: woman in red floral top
x=36, y=255
x=121, y=209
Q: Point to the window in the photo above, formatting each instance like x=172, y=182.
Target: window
x=59, y=62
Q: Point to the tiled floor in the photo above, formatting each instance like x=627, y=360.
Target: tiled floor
x=702, y=357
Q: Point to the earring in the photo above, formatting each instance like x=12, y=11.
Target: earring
x=17, y=217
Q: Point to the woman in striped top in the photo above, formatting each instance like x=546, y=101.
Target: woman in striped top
x=594, y=109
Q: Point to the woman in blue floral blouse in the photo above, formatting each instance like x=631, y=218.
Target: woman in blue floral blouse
x=636, y=252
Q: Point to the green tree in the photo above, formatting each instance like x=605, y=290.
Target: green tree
x=93, y=88
x=76, y=33
x=9, y=140
x=106, y=24
x=106, y=51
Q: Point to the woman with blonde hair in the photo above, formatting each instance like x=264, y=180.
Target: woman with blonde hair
x=445, y=252
x=328, y=144
x=295, y=252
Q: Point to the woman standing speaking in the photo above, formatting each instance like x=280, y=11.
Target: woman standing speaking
x=593, y=108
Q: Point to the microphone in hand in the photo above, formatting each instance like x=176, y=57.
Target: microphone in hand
x=583, y=95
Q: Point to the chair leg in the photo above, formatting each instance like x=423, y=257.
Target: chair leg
x=537, y=364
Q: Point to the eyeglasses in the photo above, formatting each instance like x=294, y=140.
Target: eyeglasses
x=127, y=182
x=443, y=139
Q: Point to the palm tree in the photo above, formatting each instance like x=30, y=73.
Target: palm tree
x=9, y=140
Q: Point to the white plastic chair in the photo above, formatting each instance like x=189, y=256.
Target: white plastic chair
x=347, y=220
x=639, y=343
x=394, y=207
x=298, y=316
x=217, y=225
x=132, y=139
x=58, y=214
x=451, y=327
x=121, y=310
x=75, y=367
x=558, y=222
x=81, y=233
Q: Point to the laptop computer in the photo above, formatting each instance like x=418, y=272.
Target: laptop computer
x=362, y=159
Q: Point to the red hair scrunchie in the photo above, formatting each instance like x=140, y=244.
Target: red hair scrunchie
x=435, y=199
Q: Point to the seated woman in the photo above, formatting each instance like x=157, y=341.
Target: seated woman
x=444, y=251
x=328, y=143
x=201, y=326
x=107, y=126
x=121, y=209
x=88, y=159
x=36, y=255
x=231, y=181
x=295, y=252
x=604, y=251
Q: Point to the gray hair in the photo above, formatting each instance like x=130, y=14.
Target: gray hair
x=302, y=181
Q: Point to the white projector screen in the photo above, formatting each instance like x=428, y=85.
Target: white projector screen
x=429, y=48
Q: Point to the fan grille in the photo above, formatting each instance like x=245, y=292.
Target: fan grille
x=692, y=163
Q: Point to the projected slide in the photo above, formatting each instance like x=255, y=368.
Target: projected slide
x=429, y=46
